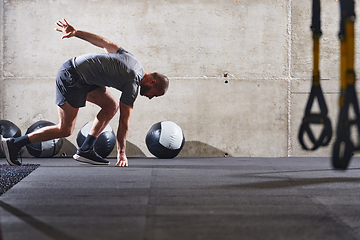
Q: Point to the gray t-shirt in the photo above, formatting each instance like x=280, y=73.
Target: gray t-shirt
x=120, y=70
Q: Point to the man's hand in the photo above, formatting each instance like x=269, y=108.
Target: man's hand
x=122, y=161
x=125, y=113
x=69, y=31
x=66, y=28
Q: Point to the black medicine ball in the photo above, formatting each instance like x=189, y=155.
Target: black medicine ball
x=165, y=139
x=43, y=149
x=104, y=144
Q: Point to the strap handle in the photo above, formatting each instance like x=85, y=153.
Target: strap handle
x=344, y=146
x=316, y=92
x=315, y=118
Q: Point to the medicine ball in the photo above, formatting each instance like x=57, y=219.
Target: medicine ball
x=43, y=149
x=165, y=139
x=8, y=130
x=104, y=144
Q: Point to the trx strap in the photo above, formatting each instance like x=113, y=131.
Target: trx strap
x=315, y=93
x=344, y=145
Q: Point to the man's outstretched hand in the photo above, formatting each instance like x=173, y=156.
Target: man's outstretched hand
x=122, y=161
x=66, y=28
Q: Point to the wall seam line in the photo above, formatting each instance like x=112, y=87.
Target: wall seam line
x=289, y=39
x=2, y=29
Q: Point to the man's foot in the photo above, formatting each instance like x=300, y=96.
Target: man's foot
x=89, y=156
x=11, y=151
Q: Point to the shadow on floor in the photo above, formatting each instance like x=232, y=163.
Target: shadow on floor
x=200, y=149
x=293, y=182
x=46, y=229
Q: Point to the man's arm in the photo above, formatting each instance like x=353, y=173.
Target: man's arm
x=69, y=31
x=125, y=113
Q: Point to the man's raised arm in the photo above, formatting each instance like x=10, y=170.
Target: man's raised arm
x=69, y=31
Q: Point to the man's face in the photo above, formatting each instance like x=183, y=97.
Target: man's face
x=144, y=90
x=150, y=91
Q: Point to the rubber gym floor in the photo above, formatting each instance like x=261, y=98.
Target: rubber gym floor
x=183, y=198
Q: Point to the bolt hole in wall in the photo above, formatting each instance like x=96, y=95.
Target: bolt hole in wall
x=226, y=75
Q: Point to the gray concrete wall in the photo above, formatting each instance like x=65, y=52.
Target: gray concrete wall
x=240, y=71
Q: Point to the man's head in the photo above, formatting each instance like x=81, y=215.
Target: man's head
x=153, y=85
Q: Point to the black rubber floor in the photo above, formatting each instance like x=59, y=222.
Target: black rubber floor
x=10, y=175
x=184, y=198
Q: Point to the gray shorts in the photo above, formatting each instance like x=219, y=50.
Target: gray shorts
x=70, y=87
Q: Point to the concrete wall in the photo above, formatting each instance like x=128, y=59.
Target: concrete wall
x=240, y=70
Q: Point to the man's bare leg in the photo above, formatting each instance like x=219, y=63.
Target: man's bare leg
x=67, y=117
x=65, y=127
x=109, y=106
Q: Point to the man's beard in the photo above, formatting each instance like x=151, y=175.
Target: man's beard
x=144, y=90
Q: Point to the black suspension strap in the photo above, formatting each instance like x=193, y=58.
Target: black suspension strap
x=344, y=145
x=321, y=117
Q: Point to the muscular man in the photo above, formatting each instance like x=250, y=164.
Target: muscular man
x=86, y=78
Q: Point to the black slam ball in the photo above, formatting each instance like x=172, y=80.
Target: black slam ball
x=44, y=149
x=104, y=144
x=165, y=139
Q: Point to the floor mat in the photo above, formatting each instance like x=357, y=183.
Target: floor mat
x=11, y=175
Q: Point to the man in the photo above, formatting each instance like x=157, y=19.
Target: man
x=86, y=78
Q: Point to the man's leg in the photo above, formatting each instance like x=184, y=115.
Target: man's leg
x=65, y=127
x=109, y=106
x=67, y=116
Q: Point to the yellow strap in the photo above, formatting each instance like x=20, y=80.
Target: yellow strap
x=350, y=39
x=343, y=66
x=316, y=52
